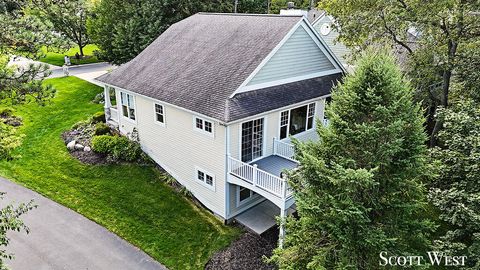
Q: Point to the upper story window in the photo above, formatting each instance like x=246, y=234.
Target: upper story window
x=203, y=125
x=159, y=114
x=128, y=105
x=297, y=120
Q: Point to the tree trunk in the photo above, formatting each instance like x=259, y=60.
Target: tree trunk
x=447, y=75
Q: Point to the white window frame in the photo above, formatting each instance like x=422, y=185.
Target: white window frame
x=247, y=200
x=155, y=114
x=204, y=182
x=129, y=106
x=314, y=103
x=203, y=129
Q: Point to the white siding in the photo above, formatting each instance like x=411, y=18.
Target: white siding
x=340, y=50
x=272, y=129
x=236, y=209
x=178, y=148
x=298, y=56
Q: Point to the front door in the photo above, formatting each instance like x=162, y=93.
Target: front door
x=252, y=140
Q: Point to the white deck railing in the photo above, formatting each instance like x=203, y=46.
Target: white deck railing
x=283, y=149
x=258, y=178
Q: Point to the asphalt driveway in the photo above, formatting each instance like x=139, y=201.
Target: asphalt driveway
x=63, y=239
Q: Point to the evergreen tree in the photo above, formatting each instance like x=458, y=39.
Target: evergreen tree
x=358, y=190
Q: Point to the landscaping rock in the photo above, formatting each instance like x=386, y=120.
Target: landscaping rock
x=79, y=146
x=87, y=149
x=71, y=145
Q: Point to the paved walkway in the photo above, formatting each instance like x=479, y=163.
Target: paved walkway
x=86, y=72
x=62, y=239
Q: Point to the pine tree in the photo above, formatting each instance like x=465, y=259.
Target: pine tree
x=359, y=189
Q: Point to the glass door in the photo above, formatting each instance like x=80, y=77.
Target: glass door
x=252, y=140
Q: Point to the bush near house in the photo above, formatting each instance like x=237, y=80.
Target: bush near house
x=118, y=147
x=101, y=129
x=98, y=117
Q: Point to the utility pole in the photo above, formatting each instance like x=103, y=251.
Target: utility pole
x=235, y=8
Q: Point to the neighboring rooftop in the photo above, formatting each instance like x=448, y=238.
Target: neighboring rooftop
x=199, y=62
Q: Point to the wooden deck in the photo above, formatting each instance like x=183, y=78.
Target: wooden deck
x=275, y=164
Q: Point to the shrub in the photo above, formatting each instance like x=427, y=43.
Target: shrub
x=118, y=147
x=101, y=129
x=103, y=144
x=9, y=140
x=5, y=112
x=98, y=117
x=125, y=149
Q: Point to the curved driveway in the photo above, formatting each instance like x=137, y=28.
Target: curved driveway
x=61, y=239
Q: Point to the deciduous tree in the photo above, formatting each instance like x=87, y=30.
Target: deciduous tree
x=122, y=29
x=456, y=190
x=67, y=17
x=432, y=34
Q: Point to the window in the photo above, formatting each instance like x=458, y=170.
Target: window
x=159, y=114
x=111, y=96
x=297, y=120
x=206, y=178
x=252, y=140
x=203, y=125
x=243, y=195
x=128, y=105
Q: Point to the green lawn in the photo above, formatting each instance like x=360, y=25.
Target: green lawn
x=129, y=200
x=57, y=59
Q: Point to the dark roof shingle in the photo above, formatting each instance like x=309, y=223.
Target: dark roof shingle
x=200, y=61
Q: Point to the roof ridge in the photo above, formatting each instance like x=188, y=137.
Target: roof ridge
x=246, y=14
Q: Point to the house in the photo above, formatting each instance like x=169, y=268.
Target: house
x=214, y=100
x=324, y=26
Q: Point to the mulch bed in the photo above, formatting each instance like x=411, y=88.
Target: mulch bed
x=91, y=157
x=83, y=137
x=246, y=253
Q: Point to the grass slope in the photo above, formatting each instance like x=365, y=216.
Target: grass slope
x=129, y=200
x=57, y=59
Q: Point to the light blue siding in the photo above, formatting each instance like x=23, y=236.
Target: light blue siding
x=298, y=56
x=340, y=50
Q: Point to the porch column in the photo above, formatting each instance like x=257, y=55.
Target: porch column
x=107, y=104
x=283, y=215
x=106, y=97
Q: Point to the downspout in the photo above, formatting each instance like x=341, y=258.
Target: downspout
x=227, y=185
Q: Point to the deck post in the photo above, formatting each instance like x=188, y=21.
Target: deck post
x=281, y=236
x=254, y=176
x=274, y=145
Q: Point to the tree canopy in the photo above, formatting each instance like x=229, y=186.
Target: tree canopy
x=67, y=17
x=122, y=29
x=432, y=35
x=456, y=190
x=359, y=189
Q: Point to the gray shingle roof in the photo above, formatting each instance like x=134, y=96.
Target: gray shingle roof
x=200, y=61
x=263, y=100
